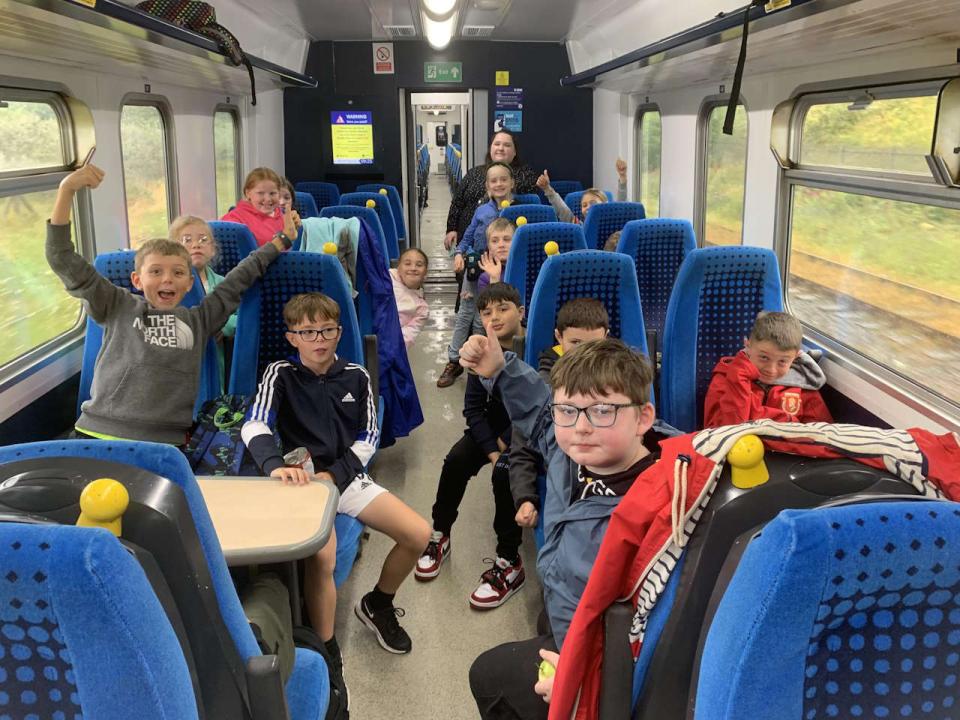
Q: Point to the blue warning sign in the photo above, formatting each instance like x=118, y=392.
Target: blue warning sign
x=351, y=117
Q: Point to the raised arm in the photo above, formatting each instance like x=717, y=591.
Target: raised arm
x=621, y=180
x=219, y=305
x=81, y=280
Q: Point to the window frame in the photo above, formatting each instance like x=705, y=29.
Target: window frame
x=234, y=111
x=708, y=105
x=76, y=134
x=887, y=185
x=641, y=111
x=170, y=149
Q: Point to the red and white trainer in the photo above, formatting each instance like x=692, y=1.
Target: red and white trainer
x=498, y=583
x=438, y=550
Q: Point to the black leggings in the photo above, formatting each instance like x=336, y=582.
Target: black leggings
x=464, y=461
x=502, y=680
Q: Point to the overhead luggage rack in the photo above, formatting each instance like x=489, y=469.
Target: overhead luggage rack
x=102, y=33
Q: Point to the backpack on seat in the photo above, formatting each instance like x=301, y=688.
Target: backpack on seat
x=201, y=18
x=215, y=446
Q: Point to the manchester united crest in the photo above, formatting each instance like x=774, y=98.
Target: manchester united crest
x=790, y=402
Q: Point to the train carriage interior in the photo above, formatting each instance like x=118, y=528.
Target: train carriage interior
x=679, y=168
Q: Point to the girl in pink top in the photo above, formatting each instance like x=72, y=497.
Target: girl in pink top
x=408, y=279
x=260, y=210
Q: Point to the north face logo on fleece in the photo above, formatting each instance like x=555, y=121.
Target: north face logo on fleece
x=165, y=331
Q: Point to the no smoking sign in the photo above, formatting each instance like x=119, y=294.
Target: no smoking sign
x=383, y=59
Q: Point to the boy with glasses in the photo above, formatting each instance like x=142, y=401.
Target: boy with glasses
x=320, y=402
x=591, y=432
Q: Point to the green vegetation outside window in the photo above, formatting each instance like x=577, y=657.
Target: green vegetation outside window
x=34, y=307
x=724, y=174
x=143, y=144
x=648, y=165
x=226, y=134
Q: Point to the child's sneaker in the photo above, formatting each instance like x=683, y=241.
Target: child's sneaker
x=383, y=622
x=498, y=583
x=438, y=550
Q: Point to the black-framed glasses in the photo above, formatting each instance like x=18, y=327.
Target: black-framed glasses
x=328, y=333
x=203, y=240
x=600, y=415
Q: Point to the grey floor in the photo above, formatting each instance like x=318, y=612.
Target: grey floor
x=431, y=682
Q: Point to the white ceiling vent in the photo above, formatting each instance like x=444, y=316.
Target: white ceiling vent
x=400, y=31
x=477, y=31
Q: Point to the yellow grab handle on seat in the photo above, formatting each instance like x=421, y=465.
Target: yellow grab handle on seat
x=102, y=504
x=746, y=463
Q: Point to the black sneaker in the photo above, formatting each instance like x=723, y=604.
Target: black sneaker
x=383, y=622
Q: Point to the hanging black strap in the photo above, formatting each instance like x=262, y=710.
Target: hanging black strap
x=738, y=75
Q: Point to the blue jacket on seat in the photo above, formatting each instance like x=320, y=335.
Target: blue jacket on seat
x=401, y=405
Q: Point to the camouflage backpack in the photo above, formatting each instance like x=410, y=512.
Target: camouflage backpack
x=201, y=18
x=215, y=446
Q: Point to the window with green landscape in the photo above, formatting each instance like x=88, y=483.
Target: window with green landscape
x=724, y=175
x=649, y=162
x=34, y=307
x=143, y=144
x=226, y=152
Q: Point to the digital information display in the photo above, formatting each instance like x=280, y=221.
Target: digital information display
x=352, y=133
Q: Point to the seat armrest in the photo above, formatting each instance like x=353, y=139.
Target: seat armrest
x=265, y=687
x=616, y=673
x=372, y=363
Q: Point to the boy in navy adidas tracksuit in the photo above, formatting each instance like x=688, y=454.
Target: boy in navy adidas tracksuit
x=323, y=403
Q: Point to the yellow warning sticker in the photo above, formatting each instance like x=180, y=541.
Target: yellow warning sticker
x=503, y=77
x=88, y=3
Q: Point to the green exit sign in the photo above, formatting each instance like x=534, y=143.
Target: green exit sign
x=442, y=72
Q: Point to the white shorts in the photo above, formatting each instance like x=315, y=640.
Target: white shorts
x=358, y=495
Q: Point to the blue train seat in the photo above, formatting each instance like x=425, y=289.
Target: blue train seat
x=116, y=267
x=533, y=213
x=260, y=340
x=384, y=212
x=604, y=219
x=565, y=187
x=847, y=611
x=609, y=277
x=527, y=199
x=663, y=680
x=234, y=243
x=396, y=204
x=368, y=215
x=716, y=298
x=572, y=201
x=527, y=254
x=658, y=248
x=305, y=205
x=83, y=631
x=324, y=193
x=308, y=687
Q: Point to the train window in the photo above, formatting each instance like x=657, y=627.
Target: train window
x=722, y=176
x=226, y=144
x=35, y=144
x=648, y=160
x=31, y=137
x=146, y=149
x=868, y=133
x=871, y=241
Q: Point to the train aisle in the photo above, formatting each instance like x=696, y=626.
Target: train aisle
x=432, y=681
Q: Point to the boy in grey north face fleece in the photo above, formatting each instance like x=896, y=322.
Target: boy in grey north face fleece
x=148, y=370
